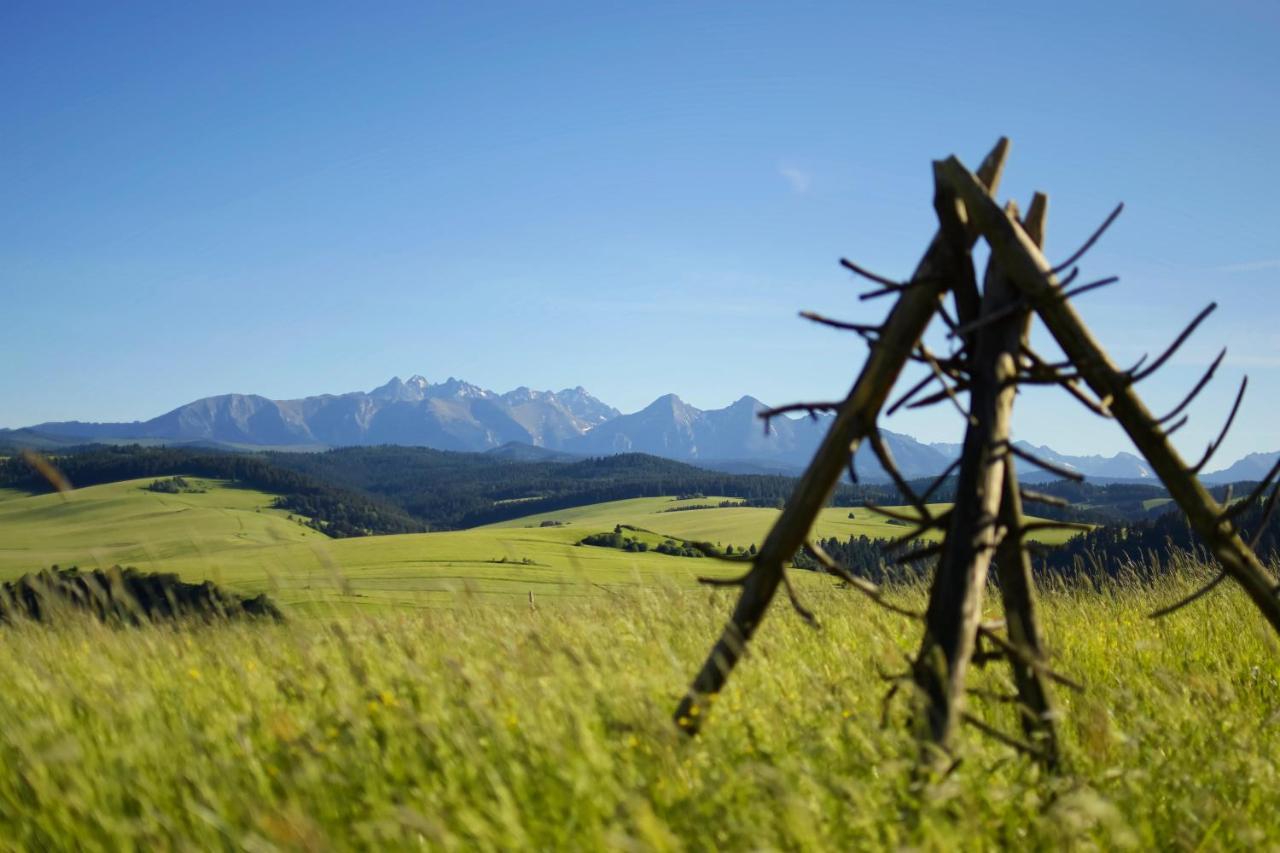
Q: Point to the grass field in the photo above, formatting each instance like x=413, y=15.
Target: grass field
x=377, y=718
x=233, y=536
x=506, y=728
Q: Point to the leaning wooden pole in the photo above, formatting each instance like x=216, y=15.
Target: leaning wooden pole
x=974, y=532
x=855, y=420
x=1012, y=562
x=1036, y=278
x=1018, y=594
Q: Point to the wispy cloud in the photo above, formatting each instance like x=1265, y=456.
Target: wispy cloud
x=1251, y=266
x=799, y=179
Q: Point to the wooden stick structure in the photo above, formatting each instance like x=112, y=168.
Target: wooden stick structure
x=918, y=302
x=985, y=531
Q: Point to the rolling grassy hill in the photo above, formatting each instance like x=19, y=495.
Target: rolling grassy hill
x=741, y=525
x=232, y=535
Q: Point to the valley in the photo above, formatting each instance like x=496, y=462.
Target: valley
x=235, y=536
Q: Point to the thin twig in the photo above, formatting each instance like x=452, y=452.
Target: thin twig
x=1216, y=443
x=870, y=276
x=1088, y=244
x=1204, y=380
x=862, y=585
x=1030, y=495
x=1261, y=489
x=805, y=613
x=939, y=480
x=1136, y=376
x=911, y=392
x=1028, y=659
x=937, y=371
x=1065, y=473
x=1266, y=517
x=808, y=408
x=989, y=318
x=1193, y=597
x=1085, y=288
x=891, y=468
x=866, y=330
x=1007, y=740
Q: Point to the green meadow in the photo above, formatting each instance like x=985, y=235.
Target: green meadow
x=505, y=687
x=495, y=728
x=232, y=535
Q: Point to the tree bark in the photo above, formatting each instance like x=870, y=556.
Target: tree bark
x=856, y=418
x=1034, y=276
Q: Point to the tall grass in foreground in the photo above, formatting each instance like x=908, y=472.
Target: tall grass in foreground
x=500, y=728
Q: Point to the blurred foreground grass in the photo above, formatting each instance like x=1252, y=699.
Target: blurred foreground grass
x=511, y=727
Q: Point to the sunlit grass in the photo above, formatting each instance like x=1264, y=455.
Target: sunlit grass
x=501, y=727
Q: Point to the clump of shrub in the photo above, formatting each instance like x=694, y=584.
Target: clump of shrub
x=616, y=539
x=175, y=486
x=124, y=596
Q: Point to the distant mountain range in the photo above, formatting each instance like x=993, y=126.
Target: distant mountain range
x=527, y=424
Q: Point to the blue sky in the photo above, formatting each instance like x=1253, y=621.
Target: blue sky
x=636, y=198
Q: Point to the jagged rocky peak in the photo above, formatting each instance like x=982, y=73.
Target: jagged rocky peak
x=458, y=388
x=525, y=394
x=748, y=403
x=396, y=390
x=670, y=403
x=586, y=407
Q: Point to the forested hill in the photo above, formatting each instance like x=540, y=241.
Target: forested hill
x=454, y=490
x=1147, y=543
x=371, y=490
x=337, y=511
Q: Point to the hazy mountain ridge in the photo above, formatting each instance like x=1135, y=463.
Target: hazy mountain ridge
x=456, y=415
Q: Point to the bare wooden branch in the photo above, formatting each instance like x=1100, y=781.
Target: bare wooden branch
x=1020, y=257
x=1085, y=288
x=1226, y=427
x=882, y=453
x=937, y=372
x=1265, y=519
x=1033, y=526
x=1030, y=659
x=901, y=330
x=940, y=479
x=1044, y=464
x=805, y=613
x=1007, y=740
x=1032, y=496
x=870, y=276
x=868, y=332
x=1253, y=496
x=1199, y=386
x=1017, y=591
x=1177, y=425
x=1093, y=238
x=862, y=585
x=1137, y=376
x=807, y=408
x=911, y=392
x=1192, y=598
x=895, y=515
x=955, y=599
x=938, y=522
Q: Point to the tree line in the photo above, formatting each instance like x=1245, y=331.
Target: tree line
x=333, y=510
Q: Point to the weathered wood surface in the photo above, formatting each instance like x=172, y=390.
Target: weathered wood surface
x=1023, y=261
x=974, y=533
x=856, y=419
